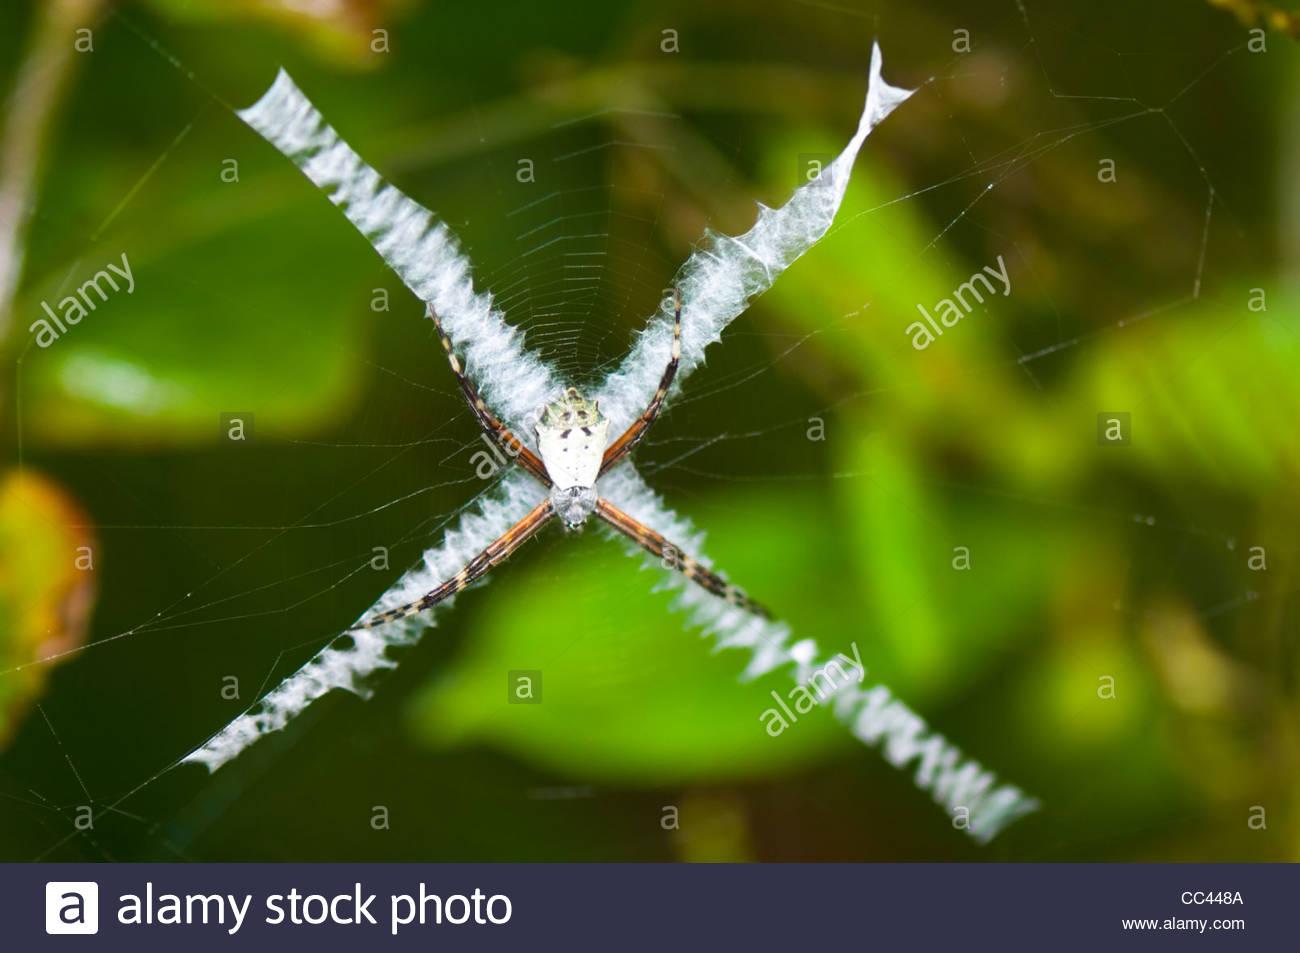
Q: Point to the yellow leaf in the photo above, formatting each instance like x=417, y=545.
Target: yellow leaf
x=47, y=586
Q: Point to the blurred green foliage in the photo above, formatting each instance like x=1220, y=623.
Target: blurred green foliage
x=1110, y=648
x=639, y=703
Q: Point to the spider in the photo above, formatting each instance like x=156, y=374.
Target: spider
x=572, y=455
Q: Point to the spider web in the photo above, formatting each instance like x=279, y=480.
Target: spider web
x=577, y=263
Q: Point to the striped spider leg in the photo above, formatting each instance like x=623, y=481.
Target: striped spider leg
x=574, y=452
x=492, y=426
x=497, y=552
x=673, y=558
x=671, y=555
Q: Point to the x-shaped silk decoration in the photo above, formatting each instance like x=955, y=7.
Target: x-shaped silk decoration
x=716, y=284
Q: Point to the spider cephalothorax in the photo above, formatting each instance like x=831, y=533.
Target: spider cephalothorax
x=571, y=438
x=573, y=450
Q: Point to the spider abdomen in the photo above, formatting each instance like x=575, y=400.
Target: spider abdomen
x=571, y=438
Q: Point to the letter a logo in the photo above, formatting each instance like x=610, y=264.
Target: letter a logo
x=71, y=907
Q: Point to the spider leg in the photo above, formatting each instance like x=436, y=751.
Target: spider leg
x=674, y=558
x=496, y=553
x=511, y=445
x=621, y=447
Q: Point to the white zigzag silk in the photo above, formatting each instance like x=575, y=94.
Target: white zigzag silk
x=960, y=785
x=421, y=250
x=365, y=652
x=427, y=256
x=722, y=276
x=717, y=283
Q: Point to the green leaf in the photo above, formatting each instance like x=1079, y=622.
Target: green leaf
x=1095, y=715
x=947, y=583
x=210, y=328
x=859, y=291
x=631, y=694
x=1210, y=389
